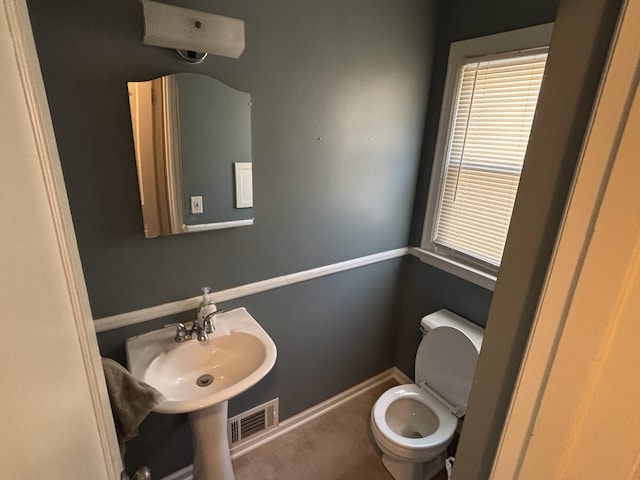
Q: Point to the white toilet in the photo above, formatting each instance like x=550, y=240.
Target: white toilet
x=413, y=424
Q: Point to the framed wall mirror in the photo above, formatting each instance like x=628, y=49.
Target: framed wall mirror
x=192, y=137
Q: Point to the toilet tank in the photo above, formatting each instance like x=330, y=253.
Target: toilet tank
x=445, y=318
x=447, y=357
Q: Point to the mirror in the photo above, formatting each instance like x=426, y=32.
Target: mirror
x=192, y=137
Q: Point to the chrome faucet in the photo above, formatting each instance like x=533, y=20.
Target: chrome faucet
x=197, y=331
x=201, y=333
x=207, y=323
x=182, y=333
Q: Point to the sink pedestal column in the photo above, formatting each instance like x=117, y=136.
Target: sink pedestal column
x=212, y=459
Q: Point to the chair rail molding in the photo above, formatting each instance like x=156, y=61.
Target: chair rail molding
x=137, y=316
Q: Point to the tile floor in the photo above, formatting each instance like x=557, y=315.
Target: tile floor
x=336, y=446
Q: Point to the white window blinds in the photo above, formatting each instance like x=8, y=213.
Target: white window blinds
x=495, y=103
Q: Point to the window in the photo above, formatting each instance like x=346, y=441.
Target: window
x=488, y=108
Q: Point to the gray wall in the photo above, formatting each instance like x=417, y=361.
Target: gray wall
x=339, y=93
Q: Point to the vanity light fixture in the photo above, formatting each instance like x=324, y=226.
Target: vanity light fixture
x=192, y=33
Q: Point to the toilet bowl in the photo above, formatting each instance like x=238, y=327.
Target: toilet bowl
x=413, y=424
x=413, y=430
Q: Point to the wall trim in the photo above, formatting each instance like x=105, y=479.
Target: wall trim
x=201, y=227
x=304, y=417
x=137, y=316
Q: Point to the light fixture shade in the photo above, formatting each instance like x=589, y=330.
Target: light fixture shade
x=183, y=29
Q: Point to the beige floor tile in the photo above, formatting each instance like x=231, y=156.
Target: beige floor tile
x=335, y=446
x=370, y=469
x=245, y=469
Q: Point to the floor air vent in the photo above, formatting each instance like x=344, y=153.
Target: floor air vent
x=257, y=420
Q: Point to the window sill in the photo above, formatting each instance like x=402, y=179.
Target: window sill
x=473, y=275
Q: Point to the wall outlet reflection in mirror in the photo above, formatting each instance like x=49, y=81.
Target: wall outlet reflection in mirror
x=196, y=205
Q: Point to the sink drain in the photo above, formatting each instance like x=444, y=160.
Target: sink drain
x=204, y=380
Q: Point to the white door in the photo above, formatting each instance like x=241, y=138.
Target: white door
x=55, y=420
x=574, y=414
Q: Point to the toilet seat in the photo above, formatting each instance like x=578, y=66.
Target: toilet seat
x=446, y=362
x=414, y=449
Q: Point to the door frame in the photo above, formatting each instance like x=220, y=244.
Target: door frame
x=32, y=86
x=558, y=333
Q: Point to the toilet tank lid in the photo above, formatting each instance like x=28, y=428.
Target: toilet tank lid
x=446, y=318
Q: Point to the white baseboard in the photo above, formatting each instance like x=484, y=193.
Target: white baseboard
x=400, y=376
x=304, y=417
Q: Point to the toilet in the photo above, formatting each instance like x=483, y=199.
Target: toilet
x=413, y=424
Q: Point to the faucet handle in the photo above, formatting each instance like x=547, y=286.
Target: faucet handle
x=206, y=322
x=201, y=333
x=181, y=331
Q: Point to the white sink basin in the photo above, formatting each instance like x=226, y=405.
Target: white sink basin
x=238, y=354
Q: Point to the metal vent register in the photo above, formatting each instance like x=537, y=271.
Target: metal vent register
x=257, y=420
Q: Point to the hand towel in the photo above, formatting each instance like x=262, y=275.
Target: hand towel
x=131, y=400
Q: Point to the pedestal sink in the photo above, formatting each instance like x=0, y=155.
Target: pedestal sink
x=199, y=378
